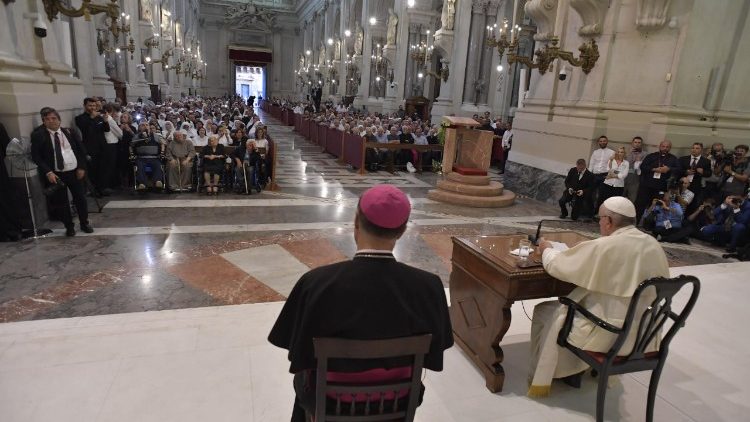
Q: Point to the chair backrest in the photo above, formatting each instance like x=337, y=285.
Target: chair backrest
x=386, y=392
x=656, y=314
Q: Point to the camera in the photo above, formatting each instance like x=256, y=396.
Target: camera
x=54, y=188
x=563, y=74
x=40, y=27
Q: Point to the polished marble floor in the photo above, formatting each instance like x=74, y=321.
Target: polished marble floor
x=218, y=270
x=214, y=364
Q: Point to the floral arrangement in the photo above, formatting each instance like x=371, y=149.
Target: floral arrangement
x=441, y=132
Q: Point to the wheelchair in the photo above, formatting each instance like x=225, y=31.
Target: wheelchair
x=246, y=178
x=151, y=182
x=225, y=176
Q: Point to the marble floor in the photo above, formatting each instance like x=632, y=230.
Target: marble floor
x=214, y=364
x=162, y=312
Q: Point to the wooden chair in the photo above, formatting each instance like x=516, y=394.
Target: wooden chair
x=406, y=390
x=648, y=326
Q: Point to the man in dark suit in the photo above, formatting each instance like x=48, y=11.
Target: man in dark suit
x=370, y=297
x=61, y=158
x=578, y=186
x=695, y=167
x=656, y=170
x=92, y=125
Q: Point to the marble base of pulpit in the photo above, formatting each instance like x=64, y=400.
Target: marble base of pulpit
x=471, y=191
x=466, y=148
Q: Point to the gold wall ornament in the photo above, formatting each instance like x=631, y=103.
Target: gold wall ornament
x=53, y=7
x=589, y=55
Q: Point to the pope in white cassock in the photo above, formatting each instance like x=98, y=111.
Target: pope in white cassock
x=607, y=271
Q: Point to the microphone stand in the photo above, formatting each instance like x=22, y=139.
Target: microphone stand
x=37, y=233
x=535, y=239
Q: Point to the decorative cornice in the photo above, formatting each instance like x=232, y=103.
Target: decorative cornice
x=651, y=14
x=592, y=13
x=544, y=13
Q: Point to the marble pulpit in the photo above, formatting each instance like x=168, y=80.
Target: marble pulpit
x=466, y=159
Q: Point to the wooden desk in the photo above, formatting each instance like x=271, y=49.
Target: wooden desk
x=484, y=283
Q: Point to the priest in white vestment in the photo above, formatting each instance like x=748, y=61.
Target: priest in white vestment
x=607, y=271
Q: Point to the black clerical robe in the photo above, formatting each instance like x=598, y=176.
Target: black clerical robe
x=370, y=297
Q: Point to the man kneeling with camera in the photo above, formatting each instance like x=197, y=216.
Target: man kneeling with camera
x=731, y=222
x=664, y=217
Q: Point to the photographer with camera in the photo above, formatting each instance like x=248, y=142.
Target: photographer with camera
x=731, y=223
x=664, y=217
x=93, y=124
x=736, y=173
x=61, y=158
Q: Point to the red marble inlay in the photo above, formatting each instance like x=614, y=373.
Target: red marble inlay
x=222, y=280
x=22, y=307
x=314, y=252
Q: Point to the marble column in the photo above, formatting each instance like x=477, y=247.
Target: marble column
x=364, y=86
x=473, y=61
x=343, y=27
x=394, y=95
x=33, y=72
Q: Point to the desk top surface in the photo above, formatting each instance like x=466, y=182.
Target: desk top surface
x=496, y=249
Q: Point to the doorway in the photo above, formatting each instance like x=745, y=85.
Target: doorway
x=250, y=81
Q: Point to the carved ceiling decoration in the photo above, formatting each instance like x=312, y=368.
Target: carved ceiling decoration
x=250, y=16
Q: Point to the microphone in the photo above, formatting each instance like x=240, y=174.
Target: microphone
x=535, y=239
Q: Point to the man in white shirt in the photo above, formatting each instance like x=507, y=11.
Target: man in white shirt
x=61, y=160
x=507, y=143
x=599, y=166
x=109, y=153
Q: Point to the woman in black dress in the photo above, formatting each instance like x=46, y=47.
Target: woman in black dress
x=213, y=164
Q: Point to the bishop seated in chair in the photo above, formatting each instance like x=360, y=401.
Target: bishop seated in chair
x=372, y=296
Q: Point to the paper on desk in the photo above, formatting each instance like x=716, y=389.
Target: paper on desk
x=559, y=246
x=515, y=251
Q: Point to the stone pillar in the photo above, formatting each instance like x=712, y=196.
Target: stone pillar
x=32, y=70
x=364, y=86
x=473, y=62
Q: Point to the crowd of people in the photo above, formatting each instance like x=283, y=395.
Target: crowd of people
x=177, y=146
x=702, y=195
x=398, y=127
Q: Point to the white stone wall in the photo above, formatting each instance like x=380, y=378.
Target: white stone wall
x=681, y=81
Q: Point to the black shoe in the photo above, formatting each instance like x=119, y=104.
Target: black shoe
x=573, y=380
x=257, y=188
x=70, y=231
x=86, y=228
x=563, y=216
x=106, y=192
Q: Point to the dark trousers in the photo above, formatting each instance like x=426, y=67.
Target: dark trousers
x=577, y=204
x=156, y=171
x=598, y=181
x=645, y=195
x=501, y=166
x=78, y=192
x=107, y=167
x=605, y=192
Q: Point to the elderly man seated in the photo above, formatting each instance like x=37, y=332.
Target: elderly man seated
x=180, y=154
x=247, y=160
x=606, y=272
x=146, y=152
x=371, y=296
